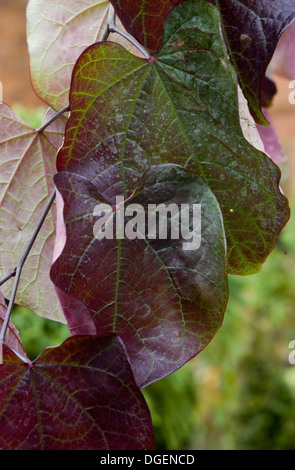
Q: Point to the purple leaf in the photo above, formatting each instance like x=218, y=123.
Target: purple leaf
x=283, y=60
x=166, y=303
x=12, y=339
x=252, y=29
x=145, y=20
x=80, y=395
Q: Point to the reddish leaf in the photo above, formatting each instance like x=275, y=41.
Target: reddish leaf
x=182, y=108
x=252, y=29
x=80, y=395
x=27, y=163
x=12, y=338
x=166, y=303
x=145, y=19
x=57, y=34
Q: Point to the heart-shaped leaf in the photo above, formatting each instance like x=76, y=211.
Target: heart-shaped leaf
x=165, y=300
x=180, y=108
x=252, y=29
x=57, y=33
x=80, y=395
x=27, y=163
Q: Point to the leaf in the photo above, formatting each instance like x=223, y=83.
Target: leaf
x=27, y=163
x=283, y=60
x=271, y=141
x=180, y=108
x=145, y=20
x=80, y=395
x=165, y=302
x=263, y=138
x=57, y=33
x=12, y=338
x=252, y=29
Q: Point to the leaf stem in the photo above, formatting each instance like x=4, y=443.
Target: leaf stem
x=113, y=29
x=9, y=276
x=18, y=269
x=57, y=115
x=110, y=20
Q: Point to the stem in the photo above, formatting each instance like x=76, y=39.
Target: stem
x=18, y=269
x=113, y=29
x=6, y=278
x=59, y=113
x=110, y=20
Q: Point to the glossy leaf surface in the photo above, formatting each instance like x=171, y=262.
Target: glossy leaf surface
x=164, y=301
x=181, y=108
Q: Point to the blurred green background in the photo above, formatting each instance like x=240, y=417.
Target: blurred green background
x=239, y=393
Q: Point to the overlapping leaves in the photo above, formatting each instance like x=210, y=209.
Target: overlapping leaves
x=80, y=395
x=145, y=19
x=166, y=303
x=27, y=164
x=126, y=115
x=252, y=29
x=57, y=33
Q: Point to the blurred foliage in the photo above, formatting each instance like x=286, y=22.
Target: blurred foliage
x=171, y=402
x=37, y=333
x=239, y=393
x=244, y=386
x=32, y=116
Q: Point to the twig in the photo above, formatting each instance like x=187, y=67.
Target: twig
x=113, y=29
x=9, y=276
x=110, y=20
x=18, y=269
x=51, y=120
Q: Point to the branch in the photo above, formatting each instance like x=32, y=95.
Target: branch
x=113, y=29
x=110, y=20
x=6, y=278
x=57, y=115
x=18, y=269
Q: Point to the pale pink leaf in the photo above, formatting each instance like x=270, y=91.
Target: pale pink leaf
x=57, y=33
x=27, y=164
x=283, y=60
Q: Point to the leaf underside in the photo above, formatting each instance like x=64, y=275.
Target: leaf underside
x=27, y=165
